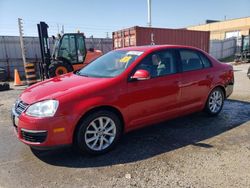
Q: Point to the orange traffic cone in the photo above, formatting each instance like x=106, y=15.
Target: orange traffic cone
x=17, y=80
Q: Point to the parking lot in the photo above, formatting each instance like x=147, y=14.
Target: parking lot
x=192, y=151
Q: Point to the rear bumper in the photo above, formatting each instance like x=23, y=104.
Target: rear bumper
x=248, y=72
x=229, y=89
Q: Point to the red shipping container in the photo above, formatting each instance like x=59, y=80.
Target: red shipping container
x=139, y=36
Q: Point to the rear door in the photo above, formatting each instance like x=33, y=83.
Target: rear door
x=196, y=79
x=155, y=99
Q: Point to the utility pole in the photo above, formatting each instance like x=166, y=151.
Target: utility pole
x=20, y=25
x=149, y=13
x=62, y=31
x=57, y=28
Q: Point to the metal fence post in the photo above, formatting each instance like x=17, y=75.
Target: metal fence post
x=20, y=24
x=7, y=58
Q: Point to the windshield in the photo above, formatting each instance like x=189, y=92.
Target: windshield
x=110, y=64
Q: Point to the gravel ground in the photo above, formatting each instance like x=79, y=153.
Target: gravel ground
x=192, y=151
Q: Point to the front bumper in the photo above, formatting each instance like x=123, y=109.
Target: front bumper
x=43, y=132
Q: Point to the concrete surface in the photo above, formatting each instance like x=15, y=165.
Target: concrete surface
x=242, y=86
x=192, y=151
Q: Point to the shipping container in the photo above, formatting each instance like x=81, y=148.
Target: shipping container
x=139, y=36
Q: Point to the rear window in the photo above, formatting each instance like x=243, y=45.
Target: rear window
x=205, y=61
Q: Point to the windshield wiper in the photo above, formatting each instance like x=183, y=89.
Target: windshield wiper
x=78, y=73
x=85, y=75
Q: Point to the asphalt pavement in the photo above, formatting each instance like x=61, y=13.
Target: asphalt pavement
x=191, y=151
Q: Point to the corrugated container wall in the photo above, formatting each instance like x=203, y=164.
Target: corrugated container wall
x=139, y=36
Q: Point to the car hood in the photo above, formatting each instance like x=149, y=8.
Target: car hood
x=59, y=86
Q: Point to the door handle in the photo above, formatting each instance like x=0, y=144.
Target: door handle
x=177, y=82
x=208, y=76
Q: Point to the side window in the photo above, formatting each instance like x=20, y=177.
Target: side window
x=205, y=61
x=159, y=63
x=81, y=50
x=72, y=56
x=68, y=48
x=190, y=60
x=167, y=63
x=64, y=45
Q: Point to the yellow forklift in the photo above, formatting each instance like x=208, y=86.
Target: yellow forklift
x=69, y=53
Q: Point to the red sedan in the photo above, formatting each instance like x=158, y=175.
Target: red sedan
x=120, y=91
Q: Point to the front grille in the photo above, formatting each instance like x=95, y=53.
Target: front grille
x=20, y=106
x=34, y=136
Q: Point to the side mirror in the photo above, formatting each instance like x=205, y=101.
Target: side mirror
x=141, y=75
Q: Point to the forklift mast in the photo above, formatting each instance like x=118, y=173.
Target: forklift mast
x=45, y=50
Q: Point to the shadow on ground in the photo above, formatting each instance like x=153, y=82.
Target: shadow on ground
x=157, y=139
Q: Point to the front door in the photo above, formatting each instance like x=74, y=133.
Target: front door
x=156, y=99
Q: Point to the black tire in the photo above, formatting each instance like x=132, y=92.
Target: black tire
x=80, y=142
x=1, y=87
x=4, y=86
x=209, y=104
x=3, y=75
x=53, y=72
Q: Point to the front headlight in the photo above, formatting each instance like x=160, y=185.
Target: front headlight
x=43, y=109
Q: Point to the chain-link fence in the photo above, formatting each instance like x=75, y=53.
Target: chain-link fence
x=223, y=48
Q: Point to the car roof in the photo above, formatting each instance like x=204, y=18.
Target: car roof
x=155, y=47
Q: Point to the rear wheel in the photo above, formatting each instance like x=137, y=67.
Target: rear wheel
x=98, y=133
x=215, y=102
x=57, y=68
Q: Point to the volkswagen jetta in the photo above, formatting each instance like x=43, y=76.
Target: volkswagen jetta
x=120, y=91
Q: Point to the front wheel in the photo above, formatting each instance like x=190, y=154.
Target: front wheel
x=215, y=102
x=98, y=133
x=58, y=68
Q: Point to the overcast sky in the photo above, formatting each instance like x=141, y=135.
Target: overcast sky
x=97, y=17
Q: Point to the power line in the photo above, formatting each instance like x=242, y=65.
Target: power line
x=82, y=24
x=30, y=28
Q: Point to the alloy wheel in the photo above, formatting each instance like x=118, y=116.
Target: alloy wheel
x=100, y=133
x=215, y=101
